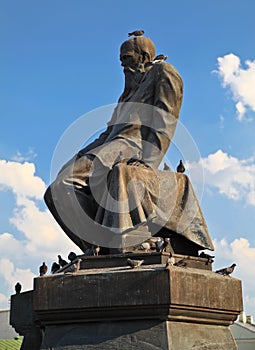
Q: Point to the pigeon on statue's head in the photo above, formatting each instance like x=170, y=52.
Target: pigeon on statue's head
x=136, y=33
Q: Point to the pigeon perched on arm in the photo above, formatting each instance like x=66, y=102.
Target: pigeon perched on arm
x=136, y=33
x=43, y=269
x=134, y=263
x=61, y=261
x=226, y=271
x=18, y=288
x=180, y=168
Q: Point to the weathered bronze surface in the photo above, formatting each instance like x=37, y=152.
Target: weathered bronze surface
x=111, y=192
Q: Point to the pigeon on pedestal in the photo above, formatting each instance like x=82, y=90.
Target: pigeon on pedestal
x=55, y=267
x=226, y=271
x=180, y=168
x=170, y=261
x=18, y=288
x=43, y=269
x=134, y=263
x=61, y=261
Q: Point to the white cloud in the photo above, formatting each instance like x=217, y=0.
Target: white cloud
x=42, y=239
x=11, y=275
x=21, y=179
x=240, y=252
x=240, y=81
x=234, y=178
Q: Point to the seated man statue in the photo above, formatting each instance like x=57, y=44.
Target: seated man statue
x=111, y=193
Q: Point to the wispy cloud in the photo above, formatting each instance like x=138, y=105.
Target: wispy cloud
x=232, y=177
x=240, y=81
x=23, y=157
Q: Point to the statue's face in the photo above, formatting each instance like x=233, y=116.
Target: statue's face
x=129, y=57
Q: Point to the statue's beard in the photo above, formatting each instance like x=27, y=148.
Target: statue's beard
x=132, y=79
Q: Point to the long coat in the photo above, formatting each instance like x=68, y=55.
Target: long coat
x=109, y=191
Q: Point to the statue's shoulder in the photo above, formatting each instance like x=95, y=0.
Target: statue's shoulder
x=164, y=68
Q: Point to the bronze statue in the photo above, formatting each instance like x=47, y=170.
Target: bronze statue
x=111, y=193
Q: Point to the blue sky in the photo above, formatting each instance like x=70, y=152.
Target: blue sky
x=60, y=60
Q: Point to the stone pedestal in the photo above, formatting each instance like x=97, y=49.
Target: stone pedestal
x=148, y=308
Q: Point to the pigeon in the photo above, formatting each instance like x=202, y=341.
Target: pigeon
x=153, y=242
x=160, y=58
x=170, y=261
x=18, y=288
x=72, y=256
x=119, y=158
x=226, y=271
x=74, y=268
x=180, y=168
x=145, y=246
x=55, y=267
x=166, y=167
x=89, y=251
x=160, y=244
x=97, y=250
x=134, y=263
x=43, y=269
x=208, y=257
x=136, y=33
x=61, y=261
x=180, y=263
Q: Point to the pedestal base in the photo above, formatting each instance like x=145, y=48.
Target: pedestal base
x=149, y=308
x=137, y=334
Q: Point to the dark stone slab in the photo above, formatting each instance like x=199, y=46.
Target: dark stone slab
x=148, y=308
x=24, y=320
x=115, y=260
x=148, y=292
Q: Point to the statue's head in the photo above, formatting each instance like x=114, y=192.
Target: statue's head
x=137, y=50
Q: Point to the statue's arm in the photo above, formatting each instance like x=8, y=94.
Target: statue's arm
x=97, y=142
x=168, y=92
